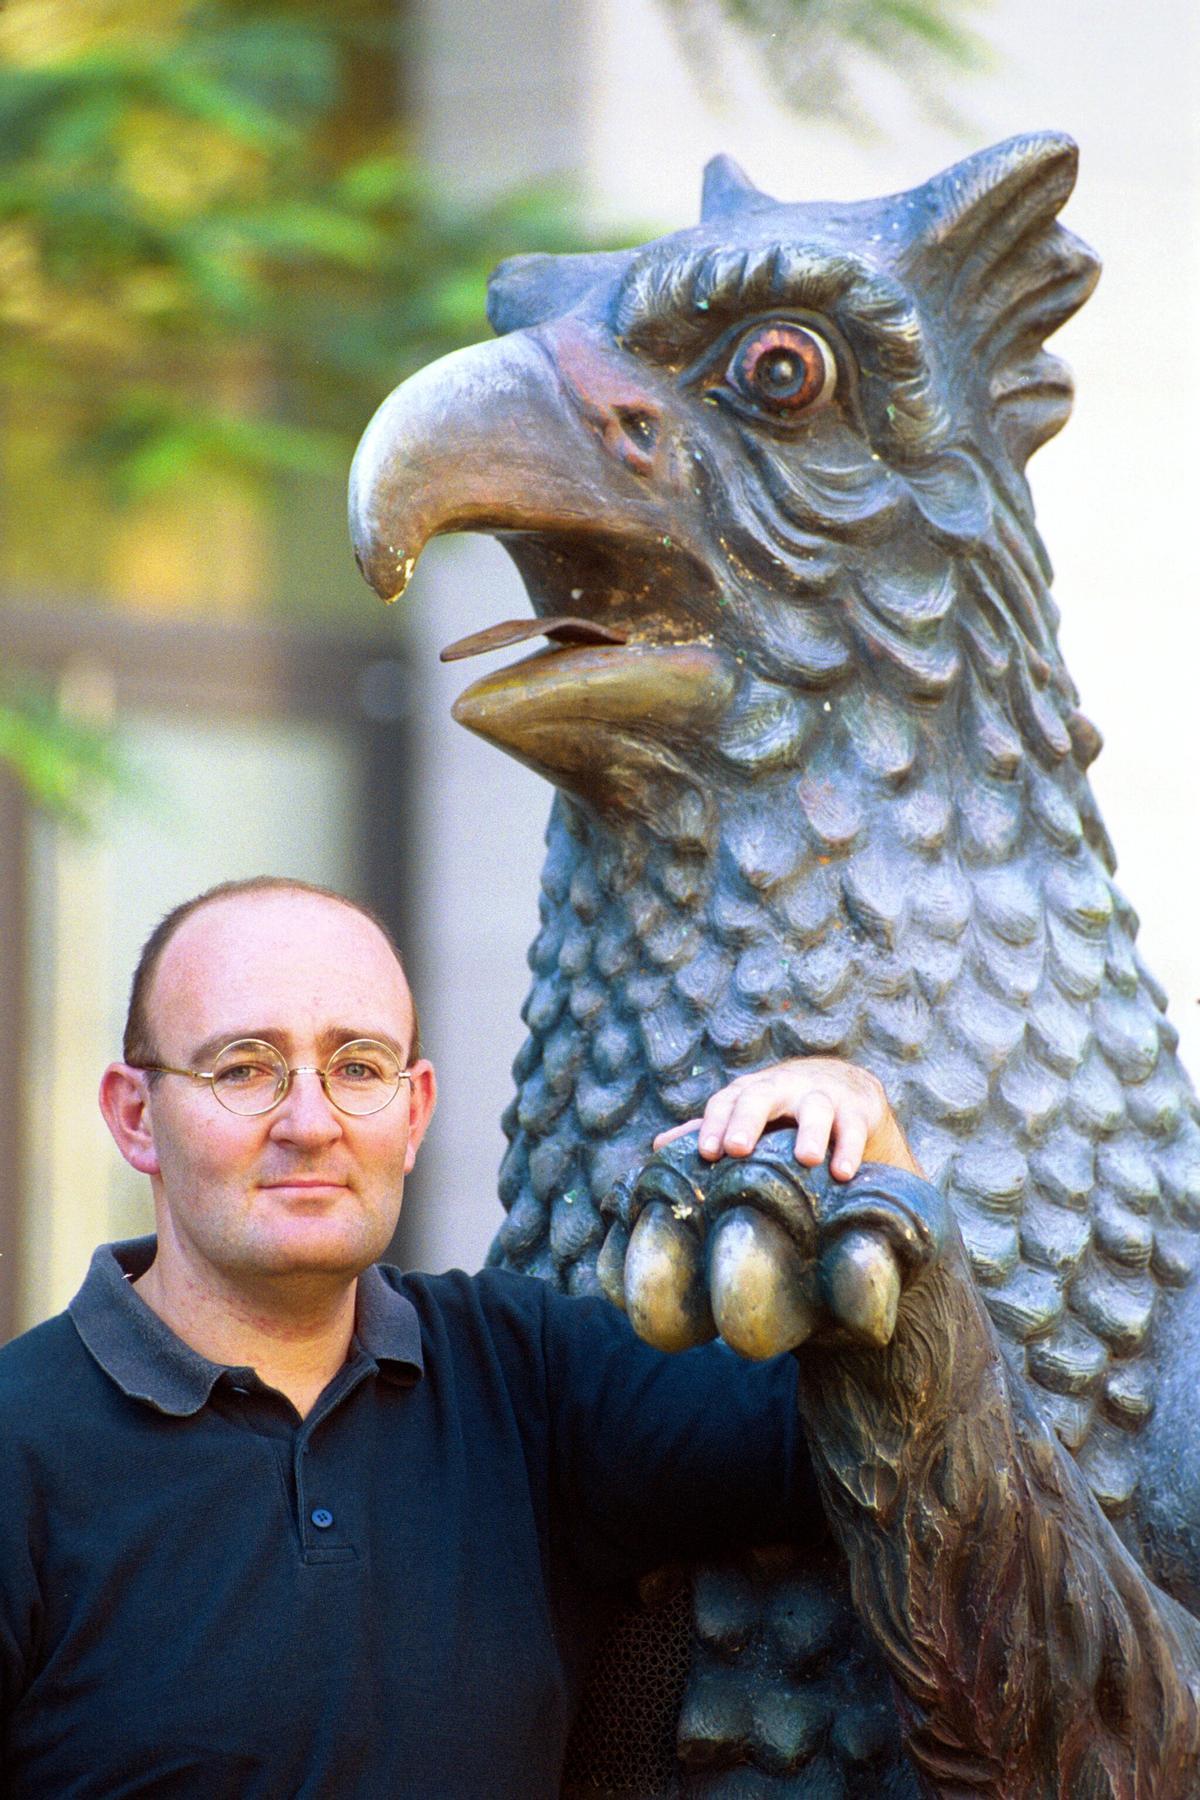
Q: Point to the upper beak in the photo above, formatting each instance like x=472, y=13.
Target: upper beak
x=467, y=443
x=546, y=430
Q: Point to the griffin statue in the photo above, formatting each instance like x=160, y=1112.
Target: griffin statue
x=822, y=788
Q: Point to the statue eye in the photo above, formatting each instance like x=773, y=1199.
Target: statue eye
x=785, y=368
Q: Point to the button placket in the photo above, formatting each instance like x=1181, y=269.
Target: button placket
x=304, y=1509
x=317, y=1517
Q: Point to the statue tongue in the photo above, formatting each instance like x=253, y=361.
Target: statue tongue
x=561, y=629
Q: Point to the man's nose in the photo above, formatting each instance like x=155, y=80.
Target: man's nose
x=306, y=1115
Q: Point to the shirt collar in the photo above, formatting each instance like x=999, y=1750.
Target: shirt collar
x=387, y=1325
x=148, y=1362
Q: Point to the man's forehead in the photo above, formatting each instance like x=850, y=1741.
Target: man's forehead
x=284, y=959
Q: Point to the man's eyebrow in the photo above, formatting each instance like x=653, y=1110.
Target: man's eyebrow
x=329, y=1040
x=336, y=1035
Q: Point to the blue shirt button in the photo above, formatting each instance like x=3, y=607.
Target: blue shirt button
x=321, y=1517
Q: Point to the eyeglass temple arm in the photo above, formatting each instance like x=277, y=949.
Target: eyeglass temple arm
x=170, y=1069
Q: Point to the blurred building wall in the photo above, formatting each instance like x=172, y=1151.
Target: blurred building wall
x=602, y=91
x=253, y=747
x=501, y=96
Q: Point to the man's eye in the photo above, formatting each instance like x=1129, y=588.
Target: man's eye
x=364, y=1064
x=357, y=1071
x=242, y=1074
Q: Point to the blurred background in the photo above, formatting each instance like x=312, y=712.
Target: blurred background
x=226, y=230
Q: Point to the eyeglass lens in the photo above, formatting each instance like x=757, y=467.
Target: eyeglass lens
x=251, y=1077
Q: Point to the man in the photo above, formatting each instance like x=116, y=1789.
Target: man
x=275, y=1521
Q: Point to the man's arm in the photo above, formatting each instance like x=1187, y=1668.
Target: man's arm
x=20, y=1596
x=666, y=1459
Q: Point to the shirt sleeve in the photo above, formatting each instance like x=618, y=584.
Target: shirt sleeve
x=19, y=1600
x=660, y=1458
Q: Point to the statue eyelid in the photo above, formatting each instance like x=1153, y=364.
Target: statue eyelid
x=717, y=354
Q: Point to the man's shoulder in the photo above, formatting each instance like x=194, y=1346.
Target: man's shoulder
x=508, y=1307
x=37, y=1371
x=460, y=1282
x=496, y=1291
x=489, y=1293
x=40, y=1355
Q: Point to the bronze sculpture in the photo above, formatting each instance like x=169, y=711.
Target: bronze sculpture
x=823, y=788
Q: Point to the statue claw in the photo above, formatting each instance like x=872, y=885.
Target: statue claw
x=761, y=1299
x=665, y=1292
x=764, y=1251
x=860, y=1284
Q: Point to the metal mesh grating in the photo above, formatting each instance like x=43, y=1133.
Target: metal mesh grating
x=623, y=1743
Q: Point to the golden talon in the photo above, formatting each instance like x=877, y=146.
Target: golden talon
x=760, y=1298
x=665, y=1295
x=860, y=1280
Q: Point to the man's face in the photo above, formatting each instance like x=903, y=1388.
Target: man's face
x=303, y=1189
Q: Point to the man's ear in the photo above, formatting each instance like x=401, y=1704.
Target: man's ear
x=422, y=1098
x=123, y=1099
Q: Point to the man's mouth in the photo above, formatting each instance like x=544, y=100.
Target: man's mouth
x=306, y=1186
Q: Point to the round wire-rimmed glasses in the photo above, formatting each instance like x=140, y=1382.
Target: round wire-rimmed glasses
x=249, y=1076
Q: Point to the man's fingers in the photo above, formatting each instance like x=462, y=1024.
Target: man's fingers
x=753, y=1109
x=840, y=1112
x=711, y=1125
x=676, y=1131
x=851, y=1131
x=732, y=1121
x=814, y=1123
x=716, y=1118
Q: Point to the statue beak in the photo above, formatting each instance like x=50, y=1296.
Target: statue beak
x=481, y=440
x=534, y=439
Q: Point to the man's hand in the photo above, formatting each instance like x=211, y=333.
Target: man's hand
x=838, y=1110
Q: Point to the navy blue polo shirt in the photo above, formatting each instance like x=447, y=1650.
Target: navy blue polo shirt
x=204, y=1597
